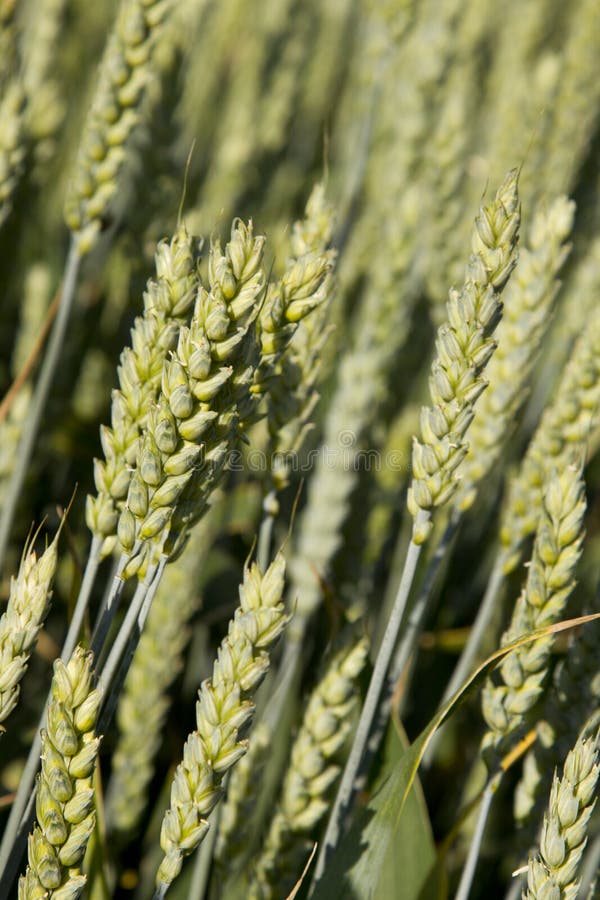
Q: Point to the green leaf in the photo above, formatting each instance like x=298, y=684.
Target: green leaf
x=411, y=855
x=361, y=855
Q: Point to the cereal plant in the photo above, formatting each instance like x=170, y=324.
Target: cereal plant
x=299, y=422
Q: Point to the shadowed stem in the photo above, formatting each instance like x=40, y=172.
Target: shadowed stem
x=516, y=889
x=85, y=591
x=126, y=642
x=346, y=789
x=517, y=752
x=110, y=604
x=468, y=873
x=591, y=862
x=38, y=401
x=410, y=637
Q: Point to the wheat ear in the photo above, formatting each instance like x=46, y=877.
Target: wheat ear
x=65, y=795
x=553, y=871
x=28, y=605
x=205, y=394
x=528, y=301
x=564, y=430
x=223, y=709
x=168, y=299
x=312, y=772
x=550, y=580
x=124, y=72
x=463, y=349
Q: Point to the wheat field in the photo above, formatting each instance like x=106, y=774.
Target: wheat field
x=299, y=421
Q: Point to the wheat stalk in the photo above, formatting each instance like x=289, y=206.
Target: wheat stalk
x=144, y=701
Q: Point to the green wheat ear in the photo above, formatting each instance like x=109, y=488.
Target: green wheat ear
x=550, y=581
x=28, y=604
x=168, y=299
x=528, y=301
x=313, y=770
x=224, y=707
x=65, y=796
x=553, y=871
x=463, y=348
x=125, y=70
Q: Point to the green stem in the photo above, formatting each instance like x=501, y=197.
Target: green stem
x=416, y=619
x=127, y=640
x=468, y=657
x=410, y=635
x=369, y=710
x=161, y=892
x=108, y=609
x=515, y=890
x=87, y=584
x=39, y=399
x=480, y=626
x=204, y=858
x=468, y=873
x=265, y=535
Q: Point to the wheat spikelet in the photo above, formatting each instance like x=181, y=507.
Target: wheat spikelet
x=575, y=691
x=528, y=302
x=294, y=329
x=312, y=772
x=12, y=143
x=236, y=822
x=205, y=393
x=563, y=430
